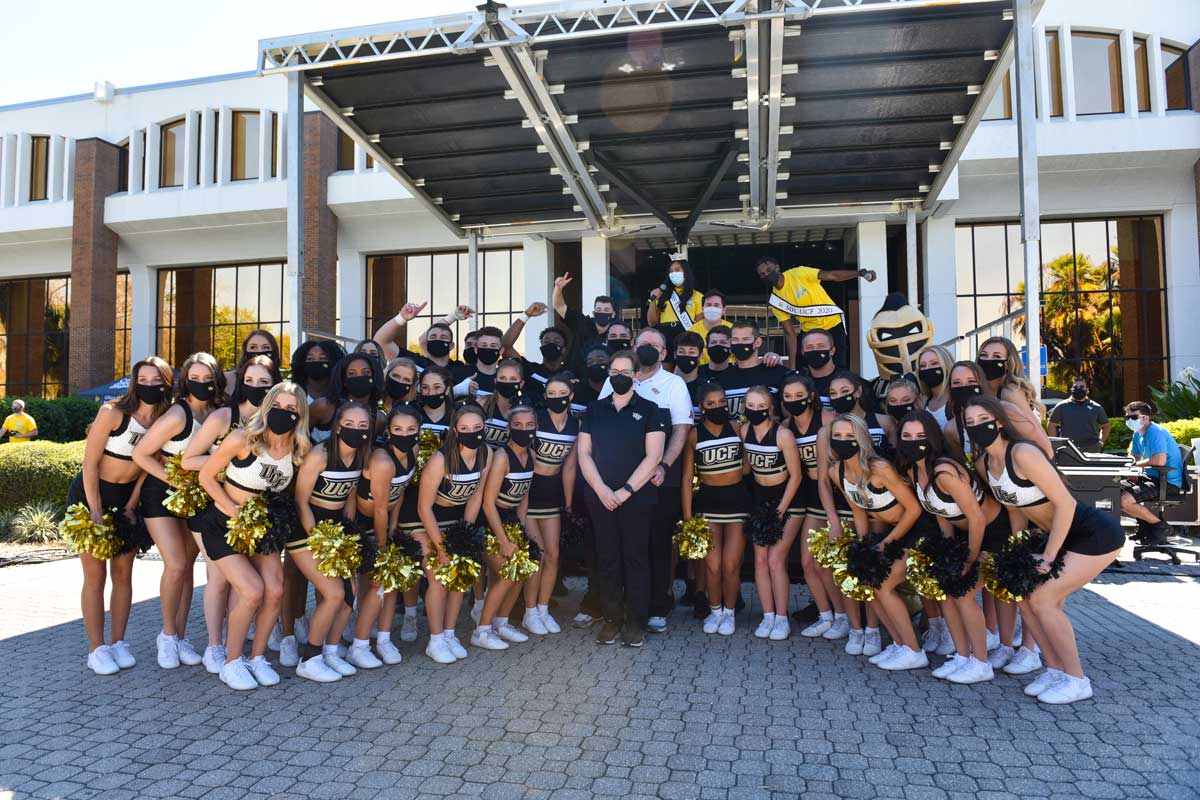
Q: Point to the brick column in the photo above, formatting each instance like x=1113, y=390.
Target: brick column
x=93, y=267
x=321, y=138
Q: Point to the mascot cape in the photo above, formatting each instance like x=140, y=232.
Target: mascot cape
x=899, y=331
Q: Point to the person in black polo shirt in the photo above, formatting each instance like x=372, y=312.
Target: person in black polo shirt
x=1080, y=419
x=621, y=442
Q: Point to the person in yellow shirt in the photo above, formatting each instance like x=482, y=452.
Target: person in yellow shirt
x=19, y=426
x=798, y=296
x=674, y=306
x=712, y=315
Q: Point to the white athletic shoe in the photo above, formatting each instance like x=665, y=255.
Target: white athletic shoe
x=882, y=655
x=725, y=628
x=455, y=645
x=362, y=657
x=656, y=624
x=236, y=676
x=993, y=640
x=289, y=651
x=1067, y=690
x=408, y=628
x=1044, y=681
x=100, y=661
x=187, y=654
x=838, y=630
x=339, y=664
x=276, y=636
x=533, y=623
x=818, y=628
x=388, y=652
x=168, y=651
x=315, y=669
x=975, y=671
x=1024, y=662
x=713, y=621
x=264, y=674
x=1001, y=656
x=487, y=639
x=214, y=658
x=552, y=625
x=764, y=628
x=854, y=643
x=905, y=658
x=582, y=620
x=781, y=630
x=439, y=651
x=954, y=662
x=872, y=643
x=120, y=653
x=945, y=643
x=510, y=634
x=931, y=639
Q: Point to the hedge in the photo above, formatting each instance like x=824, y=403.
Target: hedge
x=63, y=419
x=36, y=471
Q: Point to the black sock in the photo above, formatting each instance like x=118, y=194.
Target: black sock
x=308, y=651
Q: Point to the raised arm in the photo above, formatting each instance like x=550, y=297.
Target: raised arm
x=386, y=336
x=509, y=340
x=838, y=275
x=556, y=297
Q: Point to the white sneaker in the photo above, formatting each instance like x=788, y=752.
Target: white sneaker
x=945, y=643
x=1068, y=690
x=289, y=651
x=510, y=634
x=264, y=674
x=1001, y=656
x=955, y=661
x=187, y=654
x=818, y=628
x=168, y=651
x=975, y=671
x=388, y=652
x=993, y=640
x=455, y=645
x=100, y=661
x=301, y=629
x=236, y=676
x=1044, y=681
x=712, y=622
x=854, y=643
x=931, y=639
x=725, y=628
x=656, y=624
x=872, y=643
x=408, y=628
x=553, y=627
x=362, y=657
x=276, y=636
x=120, y=653
x=582, y=620
x=886, y=653
x=838, y=630
x=439, y=651
x=315, y=669
x=781, y=630
x=214, y=658
x=764, y=628
x=476, y=612
x=339, y=665
x=905, y=659
x=487, y=639
x=1024, y=662
x=532, y=622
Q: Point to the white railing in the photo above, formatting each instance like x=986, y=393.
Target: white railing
x=965, y=347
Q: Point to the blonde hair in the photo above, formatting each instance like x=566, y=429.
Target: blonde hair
x=867, y=455
x=904, y=382
x=1014, y=374
x=256, y=427
x=945, y=361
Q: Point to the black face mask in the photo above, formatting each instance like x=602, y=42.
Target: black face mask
x=551, y=351
x=281, y=421
x=438, y=348
x=932, y=377
x=433, y=400
x=771, y=278
x=718, y=353
x=993, y=368
x=897, y=412
x=718, y=415
x=983, y=434
x=844, y=404
x=403, y=442
x=913, y=450
x=359, y=386
x=816, y=358
x=397, y=390
x=353, y=437
x=469, y=356
x=1078, y=392
x=519, y=437
x=757, y=416
x=596, y=373
x=621, y=384
x=617, y=345
x=844, y=448
x=647, y=356
x=742, y=351
x=255, y=394
x=603, y=318
x=558, y=405
x=487, y=355
x=151, y=395
x=317, y=370
x=686, y=363
x=471, y=440
x=202, y=390
x=796, y=407
x=961, y=394
x=508, y=390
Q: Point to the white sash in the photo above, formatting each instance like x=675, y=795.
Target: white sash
x=775, y=301
x=681, y=313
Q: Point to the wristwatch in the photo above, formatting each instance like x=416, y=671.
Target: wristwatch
x=628, y=488
x=666, y=467
x=862, y=273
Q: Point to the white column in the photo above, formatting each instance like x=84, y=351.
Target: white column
x=208, y=145
x=360, y=158
x=910, y=252
x=136, y=161
x=1041, y=61
x=1129, y=74
x=8, y=168
x=539, y=282
x=352, y=288
x=224, y=147
x=872, y=254
x=54, y=168
x=143, y=288
x=295, y=204
x=24, y=154
x=595, y=267
x=265, y=116
x=153, y=156
x=281, y=147
x=1027, y=182
x=68, y=177
x=1183, y=276
x=191, y=141
x=1158, y=78
x=941, y=301
x=1068, y=73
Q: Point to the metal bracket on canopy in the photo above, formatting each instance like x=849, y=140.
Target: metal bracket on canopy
x=763, y=35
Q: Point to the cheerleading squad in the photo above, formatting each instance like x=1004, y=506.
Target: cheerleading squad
x=369, y=474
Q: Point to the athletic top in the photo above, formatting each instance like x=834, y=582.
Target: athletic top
x=1008, y=488
x=516, y=481
x=257, y=474
x=878, y=435
x=939, y=414
x=179, y=442
x=717, y=454
x=495, y=430
x=552, y=447
x=806, y=440
x=872, y=499
x=121, y=442
x=765, y=457
x=440, y=428
x=399, y=481
x=940, y=504
x=457, y=488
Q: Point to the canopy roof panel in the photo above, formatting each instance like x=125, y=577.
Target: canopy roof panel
x=618, y=113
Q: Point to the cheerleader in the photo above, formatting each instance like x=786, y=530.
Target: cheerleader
x=357, y=377
x=436, y=400
x=109, y=481
x=201, y=390
x=774, y=462
x=714, y=452
x=1000, y=362
x=254, y=378
x=933, y=376
x=258, y=342
x=902, y=396
x=505, y=500
x=1087, y=540
x=509, y=381
x=845, y=397
x=400, y=378
x=312, y=370
x=449, y=493
x=968, y=381
x=324, y=493
x=555, y=467
x=877, y=493
x=261, y=456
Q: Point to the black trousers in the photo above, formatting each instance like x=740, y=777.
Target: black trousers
x=622, y=561
x=666, y=514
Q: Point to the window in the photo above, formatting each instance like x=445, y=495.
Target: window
x=346, y=153
x=274, y=145
x=1001, y=106
x=124, y=326
x=33, y=336
x=1103, y=298
x=123, y=168
x=213, y=308
x=172, y=155
x=1175, y=68
x=1098, y=87
x=39, y=167
x=1054, y=70
x=441, y=278
x=1141, y=73
x=245, y=145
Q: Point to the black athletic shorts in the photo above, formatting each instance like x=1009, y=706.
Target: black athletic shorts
x=722, y=504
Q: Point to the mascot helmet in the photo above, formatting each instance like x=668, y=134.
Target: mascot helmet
x=898, y=332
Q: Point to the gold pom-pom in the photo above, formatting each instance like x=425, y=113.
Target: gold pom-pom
x=83, y=535
x=245, y=530
x=849, y=585
x=917, y=573
x=428, y=442
x=459, y=573
x=186, y=497
x=693, y=538
x=519, y=565
x=695, y=484
x=394, y=571
x=827, y=550
x=987, y=573
x=490, y=545
x=336, y=551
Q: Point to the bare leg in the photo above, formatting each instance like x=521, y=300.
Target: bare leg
x=1033, y=627
x=1006, y=619
x=547, y=573
x=990, y=617
x=436, y=598
x=731, y=562
x=120, y=601
x=330, y=600
x=971, y=621
x=813, y=577
x=270, y=570
x=91, y=598
x=499, y=594
x=295, y=595
x=532, y=588
x=454, y=602
x=1049, y=598
x=712, y=565
x=954, y=622
x=173, y=548
x=247, y=584
x=188, y=587
x=369, y=607
x=216, y=597
x=762, y=579
x=777, y=566
x=891, y=604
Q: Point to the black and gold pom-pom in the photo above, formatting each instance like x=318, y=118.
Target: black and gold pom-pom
x=83, y=535
x=283, y=522
x=868, y=565
x=185, y=498
x=947, y=557
x=693, y=538
x=828, y=550
x=335, y=549
x=466, y=546
x=395, y=570
x=245, y=530
x=764, y=527
x=916, y=571
x=428, y=442
x=520, y=565
x=368, y=549
x=1013, y=572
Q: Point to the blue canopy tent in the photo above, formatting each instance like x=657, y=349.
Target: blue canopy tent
x=107, y=391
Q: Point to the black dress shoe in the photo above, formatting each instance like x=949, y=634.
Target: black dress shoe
x=608, y=633
x=806, y=615
x=634, y=637
x=689, y=594
x=700, y=605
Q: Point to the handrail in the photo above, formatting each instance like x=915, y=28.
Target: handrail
x=1020, y=312
x=313, y=333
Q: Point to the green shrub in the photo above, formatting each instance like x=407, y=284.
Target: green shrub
x=1179, y=399
x=62, y=419
x=1119, y=436
x=37, y=472
x=1184, y=430
x=35, y=523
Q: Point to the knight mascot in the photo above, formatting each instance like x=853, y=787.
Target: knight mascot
x=898, y=332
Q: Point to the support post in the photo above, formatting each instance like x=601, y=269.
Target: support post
x=295, y=204
x=1027, y=166
x=872, y=254
x=910, y=241
x=143, y=288
x=538, y=255
x=594, y=268
x=473, y=269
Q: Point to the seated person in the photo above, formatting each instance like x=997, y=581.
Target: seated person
x=1156, y=451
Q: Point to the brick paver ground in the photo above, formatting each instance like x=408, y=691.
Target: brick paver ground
x=687, y=716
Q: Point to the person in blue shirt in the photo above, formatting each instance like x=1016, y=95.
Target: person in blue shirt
x=1154, y=450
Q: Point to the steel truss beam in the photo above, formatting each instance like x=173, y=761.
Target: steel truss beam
x=764, y=98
